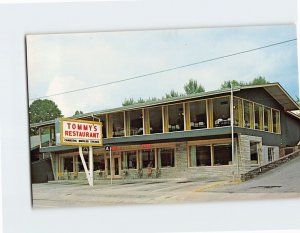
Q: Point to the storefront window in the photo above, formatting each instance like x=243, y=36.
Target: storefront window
x=80, y=165
x=147, y=158
x=221, y=111
x=129, y=160
x=166, y=157
x=198, y=115
x=134, y=122
x=68, y=164
x=222, y=154
x=176, y=117
x=200, y=156
x=99, y=163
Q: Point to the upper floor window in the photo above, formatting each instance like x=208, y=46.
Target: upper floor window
x=221, y=111
x=116, y=124
x=134, y=122
x=155, y=118
x=198, y=114
x=176, y=117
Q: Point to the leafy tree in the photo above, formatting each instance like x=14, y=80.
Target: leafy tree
x=42, y=110
x=78, y=113
x=234, y=83
x=193, y=87
x=258, y=81
x=127, y=102
x=171, y=94
x=140, y=100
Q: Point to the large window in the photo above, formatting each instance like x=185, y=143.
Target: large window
x=198, y=115
x=80, y=165
x=267, y=119
x=221, y=111
x=99, y=163
x=68, y=164
x=258, y=114
x=116, y=124
x=155, y=117
x=129, y=159
x=176, y=118
x=276, y=121
x=222, y=154
x=237, y=112
x=248, y=114
x=134, y=122
x=166, y=157
x=103, y=120
x=254, y=152
x=148, y=158
x=200, y=155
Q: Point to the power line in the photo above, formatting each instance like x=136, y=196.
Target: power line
x=170, y=69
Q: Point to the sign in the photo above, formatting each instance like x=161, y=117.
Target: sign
x=107, y=148
x=80, y=133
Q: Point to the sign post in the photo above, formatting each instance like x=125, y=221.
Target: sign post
x=108, y=148
x=82, y=133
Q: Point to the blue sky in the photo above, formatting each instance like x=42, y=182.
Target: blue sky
x=64, y=62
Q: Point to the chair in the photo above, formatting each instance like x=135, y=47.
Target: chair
x=60, y=176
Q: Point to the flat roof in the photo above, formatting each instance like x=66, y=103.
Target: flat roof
x=274, y=89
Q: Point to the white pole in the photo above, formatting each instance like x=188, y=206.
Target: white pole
x=84, y=166
x=91, y=165
x=231, y=117
x=110, y=165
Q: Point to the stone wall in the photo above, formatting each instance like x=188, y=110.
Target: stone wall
x=262, y=169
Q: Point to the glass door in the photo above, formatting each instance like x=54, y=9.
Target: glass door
x=115, y=170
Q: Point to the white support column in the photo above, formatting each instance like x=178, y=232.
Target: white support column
x=91, y=165
x=85, y=167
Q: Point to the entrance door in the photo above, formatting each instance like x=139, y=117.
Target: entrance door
x=115, y=170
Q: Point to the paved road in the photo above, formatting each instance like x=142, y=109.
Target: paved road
x=282, y=182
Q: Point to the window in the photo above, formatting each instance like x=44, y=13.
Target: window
x=80, y=165
x=198, y=115
x=47, y=136
x=258, y=116
x=99, y=163
x=156, y=123
x=134, y=122
x=221, y=111
x=237, y=112
x=166, y=157
x=222, y=154
x=200, y=156
x=103, y=120
x=248, y=114
x=267, y=119
x=148, y=157
x=270, y=154
x=129, y=159
x=254, y=152
x=116, y=124
x=276, y=121
x=176, y=118
x=68, y=164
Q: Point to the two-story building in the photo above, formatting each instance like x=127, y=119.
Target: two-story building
x=219, y=134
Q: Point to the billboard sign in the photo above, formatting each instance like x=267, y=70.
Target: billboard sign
x=80, y=133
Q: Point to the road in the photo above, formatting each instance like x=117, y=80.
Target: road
x=282, y=182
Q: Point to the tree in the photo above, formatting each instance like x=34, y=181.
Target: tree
x=127, y=102
x=258, y=81
x=193, y=87
x=78, y=113
x=171, y=94
x=42, y=110
x=234, y=83
x=298, y=100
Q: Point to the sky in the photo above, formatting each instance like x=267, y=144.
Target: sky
x=64, y=62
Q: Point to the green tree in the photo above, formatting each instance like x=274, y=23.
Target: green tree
x=192, y=87
x=127, y=102
x=78, y=113
x=234, y=83
x=42, y=110
x=171, y=94
x=258, y=81
x=298, y=100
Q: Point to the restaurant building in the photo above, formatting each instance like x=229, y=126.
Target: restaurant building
x=219, y=135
